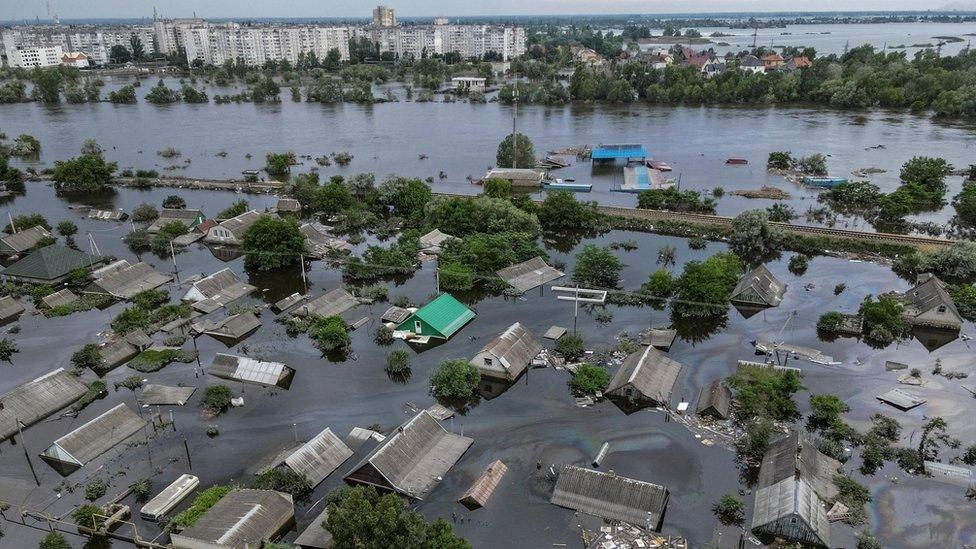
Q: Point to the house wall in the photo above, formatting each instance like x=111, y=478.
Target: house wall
x=495, y=369
x=934, y=318
x=631, y=393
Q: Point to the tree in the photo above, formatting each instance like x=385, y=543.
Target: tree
x=825, y=412
x=174, y=202
x=661, y=284
x=560, y=211
x=589, y=380
x=47, y=84
x=753, y=237
x=779, y=160
x=7, y=350
x=145, y=213
x=237, y=208
x=89, y=356
x=705, y=287
x=26, y=221
x=54, y=540
x=965, y=204
x=279, y=163
x=398, y=362
x=193, y=95
x=359, y=517
x=597, y=267
x=126, y=95
x=498, y=188
x=523, y=155
x=138, y=51
x=161, y=95
x=407, y=196
x=570, y=347
x=935, y=434
x=330, y=333
x=454, y=380
x=90, y=146
x=925, y=177
x=86, y=173
x=333, y=197
x=866, y=540
x=815, y=164
x=730, y=510
x=88, y=516
x=765, y=392
x=883, y=320
x=216, y=398
x=120, y=54
x=272, y=242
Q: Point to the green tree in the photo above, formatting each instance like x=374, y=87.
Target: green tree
x=216, y=398
x=925, y=177
x=120, y=54
x=26, y=221
x=89, y=356
x=126, y=95
x=145, y=213
x=193, y=95
x=661, y=284
x=54, y=540
x=7, y=350
x=866, y=540
x=521, y=155
x=497, y=188
x=407, y=196
x=333, y=197
x=570, y=347
x=279, y=163
x=47, y=84
x=237, y=208
x=765, y=392
x=965, y=204
x=705, y=287
x=67, y=228
x=825, y=412
x=935, y=434
x=752, y=236
x=272, y=242
x=86, y=173
x=161, y=95
x=560, y=211
x=730, y=510
x=589, y=379
x=779, y=160
x=398, y=362
x=597, y=267
x=89, y=516
x=454, y=380
x=330, y=334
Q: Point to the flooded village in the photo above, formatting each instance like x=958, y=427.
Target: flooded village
x=411, y=324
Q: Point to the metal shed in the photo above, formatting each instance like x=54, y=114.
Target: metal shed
x=529, y=274
x=610, y=496
x=170, y=497
x=242, y=518
x=249, y=370
x=35, y=400
x=95, y=437
x=332, y=303
x=646, y=375
x=482, y=489
x=163, y=395
x=319, y=457
x=126, y=282
x=412, y=459
x=509, y=354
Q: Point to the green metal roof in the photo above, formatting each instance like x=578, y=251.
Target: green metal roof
x=445, y=314
x=51, y=262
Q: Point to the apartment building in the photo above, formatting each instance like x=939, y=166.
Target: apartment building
x=34, y=56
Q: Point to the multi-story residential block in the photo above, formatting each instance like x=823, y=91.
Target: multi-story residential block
x=384, y=16
x=35, y=56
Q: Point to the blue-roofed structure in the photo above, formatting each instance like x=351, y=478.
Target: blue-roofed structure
x=619, y=151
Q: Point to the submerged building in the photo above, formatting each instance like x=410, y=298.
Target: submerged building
x=645, y=376
x=508, y=355
x=611, y=496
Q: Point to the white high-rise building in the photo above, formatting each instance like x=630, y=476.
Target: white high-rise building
x=35, y=56
x=384, y=16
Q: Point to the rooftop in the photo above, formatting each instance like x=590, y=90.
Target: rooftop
x=51, y=263
x=610, y=496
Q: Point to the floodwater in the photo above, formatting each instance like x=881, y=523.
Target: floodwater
x=460, y=140
x=531, y=427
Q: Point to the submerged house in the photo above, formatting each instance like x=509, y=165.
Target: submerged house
x=231, y=329
x=249, y=370
x=241, y=519
x=929, y=305
x=58, y=299
x=611, y=496
x=518, y=177
x=231, y=232
x=10, y=308
x=758, y=288
x=217, y=290
x=645, y=376
x=412, y=459
x=715, y=400
x=127, y=280
x=35, y=400
x=317, y=458
x=190, y=218
x=529, y=274
x=795, y=480
x=434, y=241
x=124, y=349
x=50, y=265
x=508, y=355
x=332, y=303
x=22, y=241
x=439, y=319
x=93, y=439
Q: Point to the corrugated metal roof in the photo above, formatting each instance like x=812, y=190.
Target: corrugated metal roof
x=58, y=298
x=759, y=287
x=242, y=368
x=319, y=457
x=315, y=536
x=188, y=217
x=37, y=399
x=482, y=489
x=9, y=307
x=650, y=372
x=217, y=290
x=510, y=353
x=415, y=456
x=128, y=281
x=901, y=399
x=241, y=518
x=51, y=263
x=96, y=437
x=790, y=509
x=610, y=496
x=435, y=239
x=23, y=240
x=444, y=314
x=234, y=327
x=529, y=274
x=715, y=399
x=332, y=303
x=162, y=395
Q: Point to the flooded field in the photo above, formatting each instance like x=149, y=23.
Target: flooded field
x=530, y=427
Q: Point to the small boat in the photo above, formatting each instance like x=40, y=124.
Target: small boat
x=565, y=186
x=659, y=165
x=824, y=181
x=737, y=161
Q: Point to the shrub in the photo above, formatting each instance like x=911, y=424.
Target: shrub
x=661, y=284
x=279, y=163
x=570, y=347
x=54, y=540
x=216, y=398
x=203, y=502
x=144, y=213
x=454, y=380
x=174, y=202
x=67, y=228
x=142, y=488
x=131, y=319
x=384, y=335
x=597, y=267
x=234, y=210
x=589, y=380
x=26, y=221
x=730, y=510
x=138, y=240
x=95, y=489
x=798, y=264
x=779, y=160
x=398, y=361
x=272, y=243
x=88, y=516
x=89, y=356
x=829, y=322
x=283, y=479
x=330, y=333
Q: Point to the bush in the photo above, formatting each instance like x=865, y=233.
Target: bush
x=671, y=199
x=138, y=240
x=560, y=211
x=398, y=362
x=779, y=160
x=216, y=398
x=283, y=479
x=142, y=488
x=174, y=202
x=26, y=221
x=67, y=228
x=203, y=502
x=384, y=335
x=661, y=285
x=54, y=540
x=95, y=489
x=145, y=213
x=570, y=347
x=829, y=322
x=705, y=287
x=88, y=516
x=589, y=379
x=798, y=264
x=131, y=319
x=883, y=321
x=597, y=267
x=454, y=380
x=234, y=210
x=272, y=243
x=330, y=333
x=89, y=356
x=765, y=393
x=498, y=188
x=730, y=510
x=279, y=163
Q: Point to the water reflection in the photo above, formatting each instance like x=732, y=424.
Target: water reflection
x=698, y=329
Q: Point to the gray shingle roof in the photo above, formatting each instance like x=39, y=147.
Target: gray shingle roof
x=58, y=298
x=610, y=496
x=759, y=287
x=163, y=395
x=715, y=399
x=510, y=353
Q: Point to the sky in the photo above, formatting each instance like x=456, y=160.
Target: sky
x=85, y=9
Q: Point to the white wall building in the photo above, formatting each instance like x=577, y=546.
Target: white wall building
x=35, y=56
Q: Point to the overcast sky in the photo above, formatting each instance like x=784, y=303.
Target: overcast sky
x=82, y=9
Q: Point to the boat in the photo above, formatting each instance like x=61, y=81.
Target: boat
x=737, y=161
x=659, y=165
x=824, y=181
x=566, y=186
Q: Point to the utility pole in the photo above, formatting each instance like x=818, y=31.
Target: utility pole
x=575, y=309
x=515, y=97
x=301, y=259
x=176, y=268
x=189, y=462
x=23, y=444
